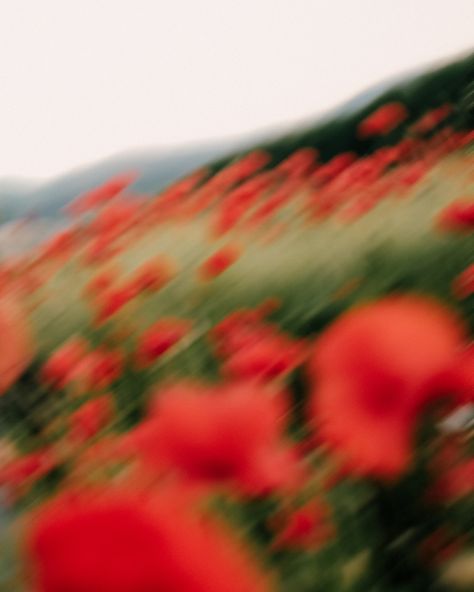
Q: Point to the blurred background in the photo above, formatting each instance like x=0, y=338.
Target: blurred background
x=95, y=86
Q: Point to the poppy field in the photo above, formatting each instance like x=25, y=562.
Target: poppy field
x=257, y=380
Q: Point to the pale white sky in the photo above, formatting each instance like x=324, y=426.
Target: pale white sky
x=83, y=79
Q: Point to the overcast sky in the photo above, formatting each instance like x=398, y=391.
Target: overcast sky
x=83, y=79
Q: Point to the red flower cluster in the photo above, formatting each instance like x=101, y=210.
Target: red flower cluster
x=73, y=362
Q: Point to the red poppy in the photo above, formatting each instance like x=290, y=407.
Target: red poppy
x=89, y=419
x=197, y=431
x=463, y=285
x=382, y=121
x=458, y=216
x=252, y=349
x=306, y=527
x=432, y=119
x=15, y=342
x=27, y=468
x=152, y=275
x=300, y=163
x=102, y=194
x=122, y=542
x=102, y=281
x=375, y=368
x=219, y=262
x=61, y=245
x=160, y=338
x=333, y=168
x=113, y=301
x=63, y=361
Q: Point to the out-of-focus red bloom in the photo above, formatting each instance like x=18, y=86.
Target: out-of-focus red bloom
x=60, y=246
x=101, y=282
x=217, y=263
x=382, y=121
x=113, y=301
x=299, y=163
x=275, y=201
x=16, y=347
x=116, y=217
x=100, y=249
x=255, y=350
x=375, y=369
x=440, y=546
x=432, y=119
x=152, y=275
x=63, y=361
x=265, y=357
x=122, y=542
x=92, y=417
x=238, y=202
x=26, y=468
x=458, y=216
x=160, y=338
x=102, y=194
x=463, y=285
x=333, y=168
x=307, y=527
x=198, y=431
x=103, y=368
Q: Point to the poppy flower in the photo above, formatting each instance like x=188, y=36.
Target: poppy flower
x=458, y=216
x=25, y=468
x=220, y=261
x=16, y=347
x=90, y=418
x=432, y=119
x=299, y=163
x=122, y=542
x=59, y=366
x=252, y=349
x=60, y=246
x=382, y=121
x=375, y=369
x=160, y=338
x=463, y=285
x=101, y=195
x=197, y=431
x=112, y=301
x=307, y=527
x=152, y=275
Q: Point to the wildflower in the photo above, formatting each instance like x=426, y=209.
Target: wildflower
x=197, y=431
x=382, y=121
x=90, y=418
x=463, y=285
x=306, y=527
x=122, y=542
x=458, y=216
x=113, y=301
x=219, y=262
x=62, y=362
x=29, y=467
x=102, y=194
x=152, y=275
x=300, y=163
x=160, y=338
x=375, y=369
x=15, y=342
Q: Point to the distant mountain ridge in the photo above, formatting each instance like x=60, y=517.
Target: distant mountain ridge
x=332, y=132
